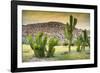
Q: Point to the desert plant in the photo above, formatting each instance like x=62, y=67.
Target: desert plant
x=38, y=44
x=65, y=43
x=85, y=40
x=82, y=41
x=51, y=43
x=88, y=41
x=68, y=30
x=78, y=43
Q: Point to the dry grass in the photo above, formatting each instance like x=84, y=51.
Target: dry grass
x=60, y=53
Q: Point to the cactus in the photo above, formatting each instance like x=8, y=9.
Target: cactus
x=78, y=43
x=51, y=43
x=38, y=44
x=85, y=40
x=68, y=30
x=82, y=41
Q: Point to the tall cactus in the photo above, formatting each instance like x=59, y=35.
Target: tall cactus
x=68, y=30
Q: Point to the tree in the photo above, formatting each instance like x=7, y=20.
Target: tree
x=68, y=30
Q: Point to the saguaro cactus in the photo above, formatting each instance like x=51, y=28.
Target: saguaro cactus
x=68, y=30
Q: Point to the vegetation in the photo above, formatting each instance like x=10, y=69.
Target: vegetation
x=68, y=30
x=38, y=44
x=51, y=43
x=78, y=43
x=85, y=40
x=82, y=41
x=28, y=54
x=41, y=46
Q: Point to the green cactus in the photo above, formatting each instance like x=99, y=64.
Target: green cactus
x=51, y=43
x=85, y=40
x=82, y=41
x=38, y=44
x=78, y=43
x=68, y=30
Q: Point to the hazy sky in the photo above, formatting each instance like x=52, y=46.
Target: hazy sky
x=31, y=17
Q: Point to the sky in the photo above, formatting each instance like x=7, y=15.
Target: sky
x=31, y=17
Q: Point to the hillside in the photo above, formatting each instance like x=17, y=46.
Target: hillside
x=49, y=28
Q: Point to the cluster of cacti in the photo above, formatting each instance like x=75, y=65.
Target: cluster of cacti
x=82, y=41
x=68, y=30
x=51, y=43
x=38, y=44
